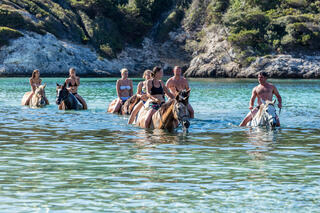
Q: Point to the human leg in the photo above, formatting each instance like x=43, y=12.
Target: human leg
x=249, y=117
x=82, y=101
x=117, y=106
x=29, y=98
x=135, y=112
x=46, y=100
x=148, y=118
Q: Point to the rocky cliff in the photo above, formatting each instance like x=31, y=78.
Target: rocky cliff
x=211, y=38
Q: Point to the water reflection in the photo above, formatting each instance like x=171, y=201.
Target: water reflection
x=262, y=141
x=91, y=161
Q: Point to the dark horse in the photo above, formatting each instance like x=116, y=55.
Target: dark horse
x=67, y=100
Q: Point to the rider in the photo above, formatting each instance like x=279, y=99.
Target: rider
x=155, y=91
x=178, y=83
x=124, y=89
x=73, y=82
x=142, y=94
x=35, y=81
x=264, y=91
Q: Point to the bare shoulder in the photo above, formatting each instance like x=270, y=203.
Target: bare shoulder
x=169, y=81
x=149, y=81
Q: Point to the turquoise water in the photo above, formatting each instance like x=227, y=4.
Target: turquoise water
x=92, y=161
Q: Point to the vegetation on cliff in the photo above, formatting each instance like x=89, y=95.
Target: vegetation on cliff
x=253, y=27
x=261, y=27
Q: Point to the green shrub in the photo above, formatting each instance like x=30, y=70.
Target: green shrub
x=247, y=61
x=245, y=38
x=106, y=51
x=6, y=34
x=11, y=19
x=169, y=24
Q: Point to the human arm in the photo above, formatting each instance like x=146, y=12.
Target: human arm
x=139, y=89
x=33, y=87
x=131, y=90
x=118, y=88
x=78, y=80
x=171, y=86
x=167, y=91
x=253, y=98
x=276, y=93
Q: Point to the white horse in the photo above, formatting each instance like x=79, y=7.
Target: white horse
x=38, y=98
x=266, y=116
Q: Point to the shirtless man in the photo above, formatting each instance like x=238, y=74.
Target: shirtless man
x=178, y=83
x=264, y=91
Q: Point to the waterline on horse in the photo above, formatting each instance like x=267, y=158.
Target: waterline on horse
x=266, y=116
x=66, y=100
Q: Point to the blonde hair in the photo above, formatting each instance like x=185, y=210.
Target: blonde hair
x=124, y=70
x=145, y=73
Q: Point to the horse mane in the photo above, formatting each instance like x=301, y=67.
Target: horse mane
x=129, y=105
x=165, y=111
x=262, y=107
x=165, y=107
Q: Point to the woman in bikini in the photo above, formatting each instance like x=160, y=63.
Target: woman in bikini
x=73, y=83
x=156, y=90
x=35, y=81
x=142, y=94
x=124, y=91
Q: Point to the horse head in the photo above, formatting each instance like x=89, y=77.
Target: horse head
x=62, y=93
x=180, y=109
x=39, y=96
x=269, y=113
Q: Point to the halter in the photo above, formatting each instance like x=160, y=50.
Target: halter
x=265, y=112
x=185, y=115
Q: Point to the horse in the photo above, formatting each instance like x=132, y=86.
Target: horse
x=170, y=114
x=125, y=108
x=38, y=98
x=66, y=100
x=266, y=116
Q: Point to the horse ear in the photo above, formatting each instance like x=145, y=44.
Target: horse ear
x=58, y=85
x=274, y=101
x=177, y=97
x=44, y=85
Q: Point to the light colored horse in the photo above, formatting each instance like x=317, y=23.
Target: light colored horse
x=38, y=98
x=266, y=116
x=170, y=114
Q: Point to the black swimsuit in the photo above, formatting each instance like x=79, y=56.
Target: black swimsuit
x=73, y=85
x=156, y=91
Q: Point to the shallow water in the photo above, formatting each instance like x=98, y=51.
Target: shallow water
x=92, y=161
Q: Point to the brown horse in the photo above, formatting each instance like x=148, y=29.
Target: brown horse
x=170, y=114
x=38, y=98
x=127, y=107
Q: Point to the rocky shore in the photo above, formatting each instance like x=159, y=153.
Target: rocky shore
x=213, y=58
